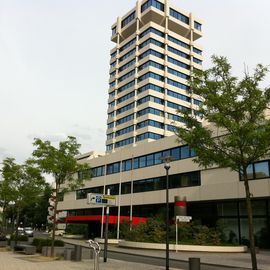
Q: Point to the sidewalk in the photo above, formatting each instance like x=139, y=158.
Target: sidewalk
x=241, y=260
x=16, y=261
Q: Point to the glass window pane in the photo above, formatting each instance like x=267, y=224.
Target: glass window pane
x=195, y=178
x=176, y=153
x=227, y=209
x=192, y=153
x=250, y=172
x=230, y=229
x=166, y=153
x=128, y=165
x=184, y=180
x=136, y=163
x=157, y=157
x=142, y=162
x=150, y=160
x=260, y=231
x=185, y=152
x=159, y=183
x=261, y=169
x=258, y=207
x=174, y=181
x=126, y=188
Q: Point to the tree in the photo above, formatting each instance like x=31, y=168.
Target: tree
x=62, y=164
x=37, y=212
x=237, y=131
x=21, y=185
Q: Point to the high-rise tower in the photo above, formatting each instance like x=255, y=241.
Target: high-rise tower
x=150, y=68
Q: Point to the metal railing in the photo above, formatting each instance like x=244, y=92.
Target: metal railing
x=96, y=248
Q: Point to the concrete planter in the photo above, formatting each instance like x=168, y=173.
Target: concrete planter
x=58, y=251
x=73, y=236
x=3, y=243
x=142, y=245
x=12, y=243
x=110, y=241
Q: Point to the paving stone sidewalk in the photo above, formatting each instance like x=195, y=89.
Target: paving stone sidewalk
x=16, y=261
x=241, y=260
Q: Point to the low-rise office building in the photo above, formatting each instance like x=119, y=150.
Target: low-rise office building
x=136, y=176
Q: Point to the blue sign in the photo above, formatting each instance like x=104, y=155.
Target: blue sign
x=98, y=199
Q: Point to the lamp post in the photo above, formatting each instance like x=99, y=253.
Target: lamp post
x=166, y=160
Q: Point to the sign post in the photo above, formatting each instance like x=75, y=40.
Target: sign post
x=107, y=201
x=180, y=219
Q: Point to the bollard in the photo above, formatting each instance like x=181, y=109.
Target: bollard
x=68, y=254
x=194, y=264
x=78, y=253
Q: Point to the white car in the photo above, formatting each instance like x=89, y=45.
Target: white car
x=21, y=231
x=29, y=231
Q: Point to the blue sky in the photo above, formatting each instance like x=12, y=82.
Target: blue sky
x=54, y=62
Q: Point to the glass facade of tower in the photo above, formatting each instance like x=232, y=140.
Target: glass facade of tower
x=151, y=66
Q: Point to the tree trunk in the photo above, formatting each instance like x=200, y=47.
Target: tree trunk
x=4, y=219
x=250, y=223
x=54, y=220
x=17, y=225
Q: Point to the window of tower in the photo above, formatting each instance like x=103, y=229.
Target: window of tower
x=153, y=3
x=151, y=30
x=179, y=16
x=178, y=63
x=198, y=26
x=128, y=19
x=124, y=142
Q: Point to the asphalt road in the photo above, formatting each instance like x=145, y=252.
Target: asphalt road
x=161, y=261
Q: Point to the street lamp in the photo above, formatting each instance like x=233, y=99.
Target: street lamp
x=166, y=160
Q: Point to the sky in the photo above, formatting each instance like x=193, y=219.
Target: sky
x=54, y=63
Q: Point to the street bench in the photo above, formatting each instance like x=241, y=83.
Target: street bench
x=27, y=249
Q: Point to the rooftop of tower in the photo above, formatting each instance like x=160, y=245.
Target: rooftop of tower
x=153, y=10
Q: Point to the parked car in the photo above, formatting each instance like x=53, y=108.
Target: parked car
x=21, y=231
x=29, y=231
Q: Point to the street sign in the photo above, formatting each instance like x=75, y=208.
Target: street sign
x=183, y=218
x=101, y=199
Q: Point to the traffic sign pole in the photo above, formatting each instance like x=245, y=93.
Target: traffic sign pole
x=106, y=230
x=180, y=219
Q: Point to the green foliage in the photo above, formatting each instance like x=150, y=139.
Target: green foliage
x=192, y=233
x=2, y=237
x=36, y=213
x=18, y=238
x=46, y=242
x=21, y=185
x=238, y=130
x=60, y=162
x=235, y=110
x=124, y=229
x=77, y=229
x=154, y=231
